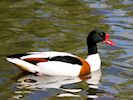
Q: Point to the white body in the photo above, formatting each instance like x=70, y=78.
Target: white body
x=59, y=68
x=55, y=67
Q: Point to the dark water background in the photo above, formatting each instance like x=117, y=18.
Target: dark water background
x=62, y=25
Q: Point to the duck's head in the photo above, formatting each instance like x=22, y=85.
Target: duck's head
x=95, y=37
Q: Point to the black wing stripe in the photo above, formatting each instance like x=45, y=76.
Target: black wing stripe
x=67, y=59
x=17, y=55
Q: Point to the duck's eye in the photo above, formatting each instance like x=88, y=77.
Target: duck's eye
x=101, y=35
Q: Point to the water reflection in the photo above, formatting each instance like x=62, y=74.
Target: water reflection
x=70, y=86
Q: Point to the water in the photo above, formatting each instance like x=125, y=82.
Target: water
x=62, y=25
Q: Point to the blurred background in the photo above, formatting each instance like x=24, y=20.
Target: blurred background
x=63, y=25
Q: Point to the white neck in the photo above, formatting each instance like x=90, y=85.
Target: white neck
x=94, y=61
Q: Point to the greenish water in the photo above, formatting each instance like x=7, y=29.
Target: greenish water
x=62, y=25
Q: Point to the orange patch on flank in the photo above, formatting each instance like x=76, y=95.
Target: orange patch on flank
x=35, y=60
x=85, y=70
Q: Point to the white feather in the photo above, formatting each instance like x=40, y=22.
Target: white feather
x=94, y=61
x=59, y=68
x=25, y=65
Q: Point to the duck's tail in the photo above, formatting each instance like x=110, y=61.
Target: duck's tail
x=21, y=64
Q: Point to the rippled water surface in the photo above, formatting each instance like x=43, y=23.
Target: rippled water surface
x=63, y=25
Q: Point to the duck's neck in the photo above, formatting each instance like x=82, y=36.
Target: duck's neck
x=92, y=48
x=93, y=57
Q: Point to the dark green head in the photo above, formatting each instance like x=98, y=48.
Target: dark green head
x=95, y=37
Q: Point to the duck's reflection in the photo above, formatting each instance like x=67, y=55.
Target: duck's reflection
x=72, y=86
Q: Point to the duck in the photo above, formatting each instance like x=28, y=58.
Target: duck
x=62, y=63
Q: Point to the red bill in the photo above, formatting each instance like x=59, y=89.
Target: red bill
x=108, y=41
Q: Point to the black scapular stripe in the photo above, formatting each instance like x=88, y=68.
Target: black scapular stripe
x=67, y=59
x=17, y=55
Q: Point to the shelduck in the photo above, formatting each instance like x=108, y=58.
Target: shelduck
x=62, y=63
